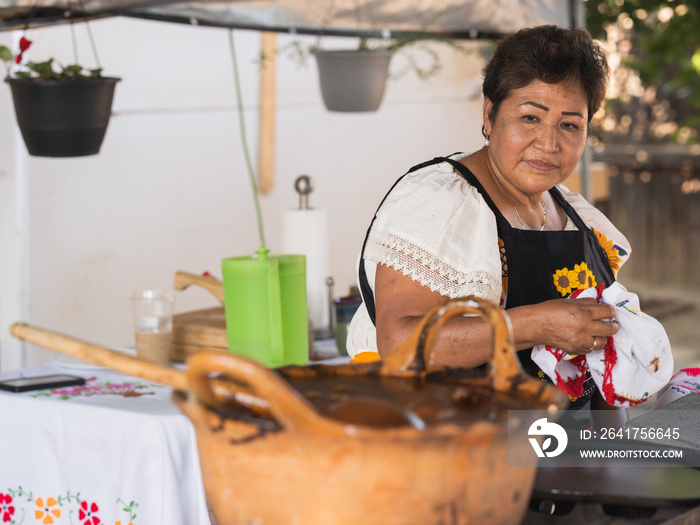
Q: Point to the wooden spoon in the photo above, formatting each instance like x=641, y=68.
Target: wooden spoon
x=133, y=366
x=361, y=411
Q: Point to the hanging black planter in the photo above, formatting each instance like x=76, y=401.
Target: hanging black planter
x=63, y=118
x=352, y=80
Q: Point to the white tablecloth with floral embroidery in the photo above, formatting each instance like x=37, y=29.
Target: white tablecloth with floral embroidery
x=115, y=451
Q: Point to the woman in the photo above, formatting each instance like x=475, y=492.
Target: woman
x=496, y=223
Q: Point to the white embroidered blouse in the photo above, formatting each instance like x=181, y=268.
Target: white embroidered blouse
x=436, y=228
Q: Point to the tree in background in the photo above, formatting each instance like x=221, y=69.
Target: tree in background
x=654, y=50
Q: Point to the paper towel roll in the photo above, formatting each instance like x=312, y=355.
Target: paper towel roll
x=306, y=232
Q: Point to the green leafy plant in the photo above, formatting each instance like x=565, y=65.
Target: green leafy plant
x=415, y=48
x=50, y=69
x=47, y=71
x=5, y=54
x=420, y=56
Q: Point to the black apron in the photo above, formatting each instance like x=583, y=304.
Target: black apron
x=541, y=265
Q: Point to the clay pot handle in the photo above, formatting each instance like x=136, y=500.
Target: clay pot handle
x=414, y=356
x=209, y=283
x=287, y=406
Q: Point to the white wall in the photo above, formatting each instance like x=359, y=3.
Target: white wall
x=169, y=189
x=12, y=223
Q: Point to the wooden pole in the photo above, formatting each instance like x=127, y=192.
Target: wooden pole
x=266, y=143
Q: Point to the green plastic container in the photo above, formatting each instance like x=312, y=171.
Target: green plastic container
x=265, y=305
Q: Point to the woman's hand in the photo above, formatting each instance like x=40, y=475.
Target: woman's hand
x=576, y=326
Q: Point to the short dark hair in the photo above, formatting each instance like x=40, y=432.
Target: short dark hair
x=551, y=55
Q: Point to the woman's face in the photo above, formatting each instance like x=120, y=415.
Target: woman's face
x=539, y=134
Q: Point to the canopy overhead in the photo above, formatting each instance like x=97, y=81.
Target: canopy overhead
x=465, y=19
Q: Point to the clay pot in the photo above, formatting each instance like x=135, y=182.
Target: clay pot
x=304, y=466
x=392, y=442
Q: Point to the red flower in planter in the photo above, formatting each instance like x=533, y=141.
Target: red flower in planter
x=86, y=513
x=24, y=44
x=6, y=507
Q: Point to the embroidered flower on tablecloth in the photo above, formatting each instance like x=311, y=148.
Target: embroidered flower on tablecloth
x=87, y=512
x=127, y=389
x=60, y=510
x=614, y=252
x=6, y=507
x=45, y=513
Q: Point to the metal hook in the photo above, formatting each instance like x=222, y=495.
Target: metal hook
x=304, y=186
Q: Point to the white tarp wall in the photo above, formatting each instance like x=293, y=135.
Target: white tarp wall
x=468, y=18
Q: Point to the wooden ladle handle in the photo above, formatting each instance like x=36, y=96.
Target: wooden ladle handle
x=132, y=366
x=100, y=356
x=209, y=283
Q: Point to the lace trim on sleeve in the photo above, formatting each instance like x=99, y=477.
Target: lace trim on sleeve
x=425, y=268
